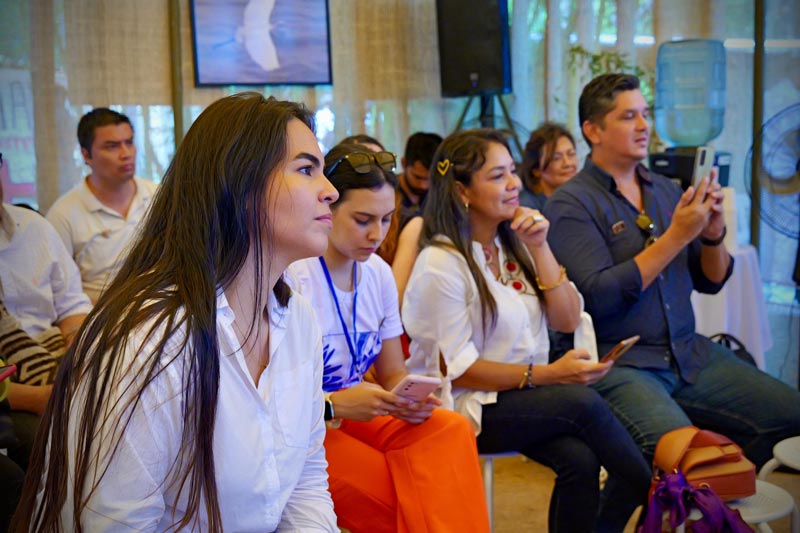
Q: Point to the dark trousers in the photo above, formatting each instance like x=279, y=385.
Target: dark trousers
x=25, y=426
x=11, y=479
x=571, y=429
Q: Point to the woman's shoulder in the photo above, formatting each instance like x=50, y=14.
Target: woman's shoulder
x=377, y=266
x=299, y=308
x=301, y=274
x=441, y=252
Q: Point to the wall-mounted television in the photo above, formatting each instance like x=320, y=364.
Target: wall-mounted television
x=261, y=42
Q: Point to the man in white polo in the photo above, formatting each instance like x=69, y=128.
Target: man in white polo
x=99, y=217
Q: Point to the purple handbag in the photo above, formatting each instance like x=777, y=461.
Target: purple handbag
x=677, y=497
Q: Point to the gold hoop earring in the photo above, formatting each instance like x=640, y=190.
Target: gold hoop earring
x=466, y=206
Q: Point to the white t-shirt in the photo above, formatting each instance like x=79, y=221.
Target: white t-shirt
x=95, y=235
x=268, y=454
x=377, y=317
x=41, y=284
x=442, y=314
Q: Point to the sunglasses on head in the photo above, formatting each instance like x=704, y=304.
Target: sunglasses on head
x=646, y=224
x=360, y=161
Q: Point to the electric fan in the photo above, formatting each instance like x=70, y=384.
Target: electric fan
x=779, y=176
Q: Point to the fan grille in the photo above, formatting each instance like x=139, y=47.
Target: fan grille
x=778, y=174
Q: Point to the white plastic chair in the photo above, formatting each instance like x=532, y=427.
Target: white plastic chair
x=488, y=480
x=787, y=453
x=770, y=502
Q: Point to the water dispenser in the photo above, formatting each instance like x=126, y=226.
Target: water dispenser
x=689, y=105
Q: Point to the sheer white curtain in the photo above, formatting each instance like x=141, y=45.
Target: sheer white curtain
x=85, y=53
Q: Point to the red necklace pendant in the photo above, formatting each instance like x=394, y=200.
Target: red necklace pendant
x=487, y=254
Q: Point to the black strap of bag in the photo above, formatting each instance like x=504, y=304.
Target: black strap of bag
x=734, y=345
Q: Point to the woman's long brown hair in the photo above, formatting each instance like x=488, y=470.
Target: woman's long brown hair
x=207, y=215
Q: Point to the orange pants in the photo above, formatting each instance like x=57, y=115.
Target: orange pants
x=389, y=475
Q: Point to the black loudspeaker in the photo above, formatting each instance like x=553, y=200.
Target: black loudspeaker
x=474, y=47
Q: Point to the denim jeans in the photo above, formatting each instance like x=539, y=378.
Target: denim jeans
x=730, y=397
x=573, y=431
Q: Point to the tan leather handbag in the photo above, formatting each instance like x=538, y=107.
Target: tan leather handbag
x=706, y=459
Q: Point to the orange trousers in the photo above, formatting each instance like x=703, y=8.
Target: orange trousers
x=391, y=476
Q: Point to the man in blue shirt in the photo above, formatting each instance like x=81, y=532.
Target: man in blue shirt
x=636, y=246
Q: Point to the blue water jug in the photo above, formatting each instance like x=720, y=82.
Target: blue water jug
x=690, y=91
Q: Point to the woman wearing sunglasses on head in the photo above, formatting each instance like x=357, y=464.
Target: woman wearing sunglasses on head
x=394, y=464
x=480, y=298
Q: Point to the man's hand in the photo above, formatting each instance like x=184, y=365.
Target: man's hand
x=693, y=212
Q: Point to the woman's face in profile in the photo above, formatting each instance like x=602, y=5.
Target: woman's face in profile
x=299, y=198
x=562, y=166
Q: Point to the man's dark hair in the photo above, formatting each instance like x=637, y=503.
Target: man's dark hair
x=597, y=98
x=421, y=146
x=97, y=118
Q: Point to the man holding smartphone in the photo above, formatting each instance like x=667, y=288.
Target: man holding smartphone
x=636, y=246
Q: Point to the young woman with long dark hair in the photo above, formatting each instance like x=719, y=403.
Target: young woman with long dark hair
x=395, y=465
x=191, y=398
x=481, y=295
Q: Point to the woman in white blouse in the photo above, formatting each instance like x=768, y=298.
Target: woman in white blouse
x=480, y=298
x=191, y=399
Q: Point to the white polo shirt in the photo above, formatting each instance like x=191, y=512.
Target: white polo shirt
x=41, y=284
x=271, y=472
x=95, y=235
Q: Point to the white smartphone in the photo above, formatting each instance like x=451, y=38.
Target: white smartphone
x=703, y=163
x=416, y=387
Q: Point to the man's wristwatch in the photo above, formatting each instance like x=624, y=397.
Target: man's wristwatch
x=714, y=242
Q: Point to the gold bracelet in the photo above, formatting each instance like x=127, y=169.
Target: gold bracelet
x=561, y=280
x=527, y=378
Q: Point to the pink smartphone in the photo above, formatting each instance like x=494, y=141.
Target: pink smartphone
x=7, y=371
x=416, y=387
x=617, y=351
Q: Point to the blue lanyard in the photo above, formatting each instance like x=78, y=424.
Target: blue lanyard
x=350, y=342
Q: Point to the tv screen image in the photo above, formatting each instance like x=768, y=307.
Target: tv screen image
x=261, y=42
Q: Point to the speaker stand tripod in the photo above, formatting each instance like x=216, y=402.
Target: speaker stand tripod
x=487, y=116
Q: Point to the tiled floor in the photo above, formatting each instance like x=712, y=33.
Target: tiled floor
x=522, y=493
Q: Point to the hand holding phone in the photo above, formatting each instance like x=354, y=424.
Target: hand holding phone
x=703, y=163
x=415, y=387
x=617, y=351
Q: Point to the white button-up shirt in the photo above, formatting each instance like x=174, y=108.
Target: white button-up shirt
x=442, y=314
x=268, y=455
x=41, y=284
x=95, y=235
